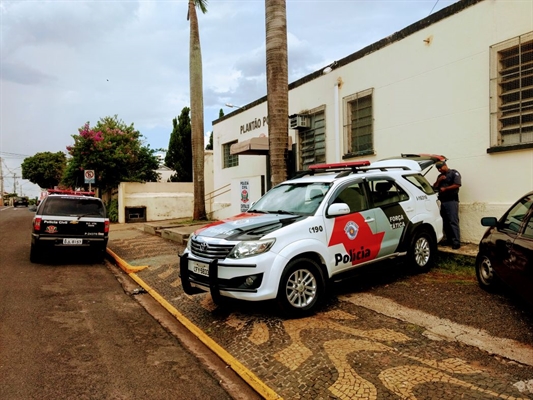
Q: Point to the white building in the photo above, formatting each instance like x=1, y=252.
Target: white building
x=457, y=83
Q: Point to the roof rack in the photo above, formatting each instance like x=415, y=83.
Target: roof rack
x=345, y=168
x=70, y=192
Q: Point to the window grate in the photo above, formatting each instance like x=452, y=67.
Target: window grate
x=230, y=160
x=513, y=92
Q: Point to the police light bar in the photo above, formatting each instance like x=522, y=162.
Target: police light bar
x=349, y=164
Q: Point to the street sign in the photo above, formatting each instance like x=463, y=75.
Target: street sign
x=89, y=176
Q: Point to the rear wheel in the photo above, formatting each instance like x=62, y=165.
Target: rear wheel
x=422, y=251
x=302, y=287
x=486, y=278
x=35, y=253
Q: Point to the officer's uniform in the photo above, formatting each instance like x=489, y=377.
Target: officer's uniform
x=449, y=209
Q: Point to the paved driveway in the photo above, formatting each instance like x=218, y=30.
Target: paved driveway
x=353, y=349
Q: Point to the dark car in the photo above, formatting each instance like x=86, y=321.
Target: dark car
x=64, y=222
x=506, y=250
x=20, y=201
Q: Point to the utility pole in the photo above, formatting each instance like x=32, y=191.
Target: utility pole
x=1, y=184
x=14, y=183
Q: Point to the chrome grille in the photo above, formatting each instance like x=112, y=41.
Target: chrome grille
x=210, y=250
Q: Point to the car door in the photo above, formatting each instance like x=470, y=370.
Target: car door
x=520, y=275
x=505, y=236
x=392, y=207
x=353, y=238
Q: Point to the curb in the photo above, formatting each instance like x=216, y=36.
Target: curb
x=248, y=376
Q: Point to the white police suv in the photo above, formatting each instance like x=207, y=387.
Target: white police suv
x=307, y=231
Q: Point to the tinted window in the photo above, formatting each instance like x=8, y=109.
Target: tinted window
x=73, y=207
x=420, y=182
x=386, y=192
x=513, y=220
x=528, y=230
x=354, y=196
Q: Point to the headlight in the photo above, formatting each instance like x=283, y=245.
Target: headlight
x=250, y=248
x=189, y=244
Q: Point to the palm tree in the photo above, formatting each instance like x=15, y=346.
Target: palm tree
x=197, y=108
x=277, y=88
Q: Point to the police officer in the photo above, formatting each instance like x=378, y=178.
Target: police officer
x=447, y=187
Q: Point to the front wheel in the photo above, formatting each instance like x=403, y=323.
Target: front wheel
x=302, y=287
x=485, y=273
x=422, y=251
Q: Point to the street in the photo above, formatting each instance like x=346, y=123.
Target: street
x=69, y=330
x=82, y=330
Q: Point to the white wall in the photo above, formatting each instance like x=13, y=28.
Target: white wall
x=428, y=98
x=164, y=200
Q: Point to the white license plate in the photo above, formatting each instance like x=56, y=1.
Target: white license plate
x=199, y=268
x=72, y=241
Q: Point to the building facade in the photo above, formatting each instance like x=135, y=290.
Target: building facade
x=458, y=83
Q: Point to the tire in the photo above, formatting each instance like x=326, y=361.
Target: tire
x=422, y=251
x=486, y=278
x=301, y=288
x=35, y=254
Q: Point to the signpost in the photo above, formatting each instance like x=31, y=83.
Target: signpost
x=89, y=177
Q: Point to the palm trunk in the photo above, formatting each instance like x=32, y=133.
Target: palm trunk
x=197, y=115
x=277, y=88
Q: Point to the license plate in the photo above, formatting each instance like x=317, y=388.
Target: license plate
x=199, y=268
x=72, y=241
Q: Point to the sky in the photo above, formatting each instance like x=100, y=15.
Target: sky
x=68, y=62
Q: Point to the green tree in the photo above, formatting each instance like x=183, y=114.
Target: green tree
x=209, y=145
x=277, y=88
x=44, y=169
x=179, y=154
x=197, y=108
x=114, y=151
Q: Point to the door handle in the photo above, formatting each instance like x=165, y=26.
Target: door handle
x=369, y=220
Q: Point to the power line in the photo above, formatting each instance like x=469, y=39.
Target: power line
x=435, y=5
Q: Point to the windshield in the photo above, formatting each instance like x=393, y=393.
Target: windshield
x=301, y=198
x=74, y=207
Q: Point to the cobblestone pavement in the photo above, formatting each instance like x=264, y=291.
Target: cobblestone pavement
x=346, y=351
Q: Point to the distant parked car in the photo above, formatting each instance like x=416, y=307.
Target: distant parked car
x=506, y=250
x=69, y=221
x=20, y=201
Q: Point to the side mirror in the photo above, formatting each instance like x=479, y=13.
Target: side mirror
x=338, y=209
x=489, y=221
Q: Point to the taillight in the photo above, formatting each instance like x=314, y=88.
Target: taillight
x=106, y=226
x=37, y=223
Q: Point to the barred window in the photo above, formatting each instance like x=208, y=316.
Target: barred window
x=230, y=160
x=312, y=142
x=511, y=89
x=359, y=124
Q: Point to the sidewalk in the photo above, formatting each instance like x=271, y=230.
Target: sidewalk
x=359, y=346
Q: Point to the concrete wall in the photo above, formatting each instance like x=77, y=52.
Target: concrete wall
x=164, y=200
x=430, y=95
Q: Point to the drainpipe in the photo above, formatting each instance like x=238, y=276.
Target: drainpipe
x=337, y=114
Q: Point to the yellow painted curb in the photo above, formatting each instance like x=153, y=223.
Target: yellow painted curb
x=248, y=376
x=123, y=264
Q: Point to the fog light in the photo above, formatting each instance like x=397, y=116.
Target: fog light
x=250, y=280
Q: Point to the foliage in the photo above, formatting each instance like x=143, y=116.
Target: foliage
x=179, y=154
x=114, y=151
x=112, y=210
x=210, y=144
x=44, y=169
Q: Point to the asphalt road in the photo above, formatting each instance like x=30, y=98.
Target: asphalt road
x=70, y=330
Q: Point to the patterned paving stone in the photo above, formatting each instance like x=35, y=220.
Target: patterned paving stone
x=343, y=352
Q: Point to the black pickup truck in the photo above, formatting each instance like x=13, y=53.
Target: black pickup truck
x=69, y=221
